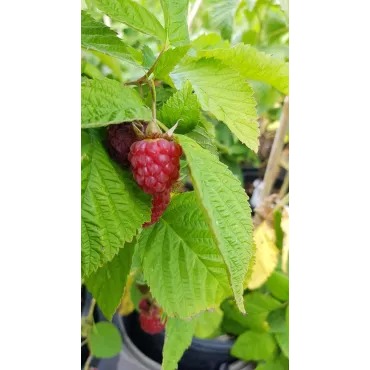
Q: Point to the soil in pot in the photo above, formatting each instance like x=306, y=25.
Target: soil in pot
x=201, y=355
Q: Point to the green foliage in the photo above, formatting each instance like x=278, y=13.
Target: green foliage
x=148, y=57
x=278, y=363
x=183, y=106
x=200, y=135
x=104, y=102
x=134, y=15
x=178, y=338
x=97, y=36
x=276, y=320
x=108, y=283
x=225, y=93
x=222, y=14
x=105, y=340
x=181, y=263
x=254, y=346
x=113, y=208
x=175, y=17
x=253, y=64
x=278, y=285
x=226, y=206
x=208, y=324
x=170, y=58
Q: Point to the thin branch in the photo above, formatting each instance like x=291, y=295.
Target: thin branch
x=150, y=71
x=276, y=150
x=285, y=185
x=193, y=12
x=88, y=361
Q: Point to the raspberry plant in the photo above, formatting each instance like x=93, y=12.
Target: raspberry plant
x=193, y=249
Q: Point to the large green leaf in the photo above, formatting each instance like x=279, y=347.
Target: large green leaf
x=253, y=64
x=168, y=60
x=225, y=93
x=226, y=206
x=108, y=283
x=178, y=338
x=183, y=106
x=175, y=17
x=278, y=285
x=104, y=102
x=181, y=262
x=113, y=208
x=105, y=340
x=97, y=36
x=254, y=346
x=222, y=15
x=134, y=15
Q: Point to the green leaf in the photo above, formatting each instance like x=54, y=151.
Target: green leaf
x=113, y=207
x=283, y=341
x=97, y=36
x=278, y=363
x=254, y=346
x=105, y=340
x=90, y=70
x=222, y=15
x=226, y=206
x=148, y=57
x=278, y=285
x=178, y=338
x=287, y=317
x=200, y=135
x=183, y=106
x=134, y=15
x=104, y=102
x=175, y=17
x=112, y=62
x=169, y=59
x=108, y=283
x=276, y=320
x=257, y=306
x=232, y=327
x=181, y=262
x=208, y=324
x=209, y=41
x=225, y=93
x=253, y=64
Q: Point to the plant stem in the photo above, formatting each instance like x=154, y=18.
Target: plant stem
x=285, y=185
x=150, y=71
x=90, y=315
x=193, y=12
x=154, y=100
x=88, y=361
x=276, y=150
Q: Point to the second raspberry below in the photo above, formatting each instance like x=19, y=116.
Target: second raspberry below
x=155, y=164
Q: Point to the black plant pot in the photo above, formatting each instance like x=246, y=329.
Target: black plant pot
x=201, y=355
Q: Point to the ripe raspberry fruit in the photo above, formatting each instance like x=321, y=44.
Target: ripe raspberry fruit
x=155, y=164
x=160, y=203
x=119, y=140
x=150, y=317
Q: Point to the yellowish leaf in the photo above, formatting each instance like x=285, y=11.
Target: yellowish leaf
x=127, y=306
x=285, y=251
x=267, y=255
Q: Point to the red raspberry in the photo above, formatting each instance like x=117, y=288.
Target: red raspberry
x=160, y=203
x=155, y=164
x=119, y=140
x=150, y=317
